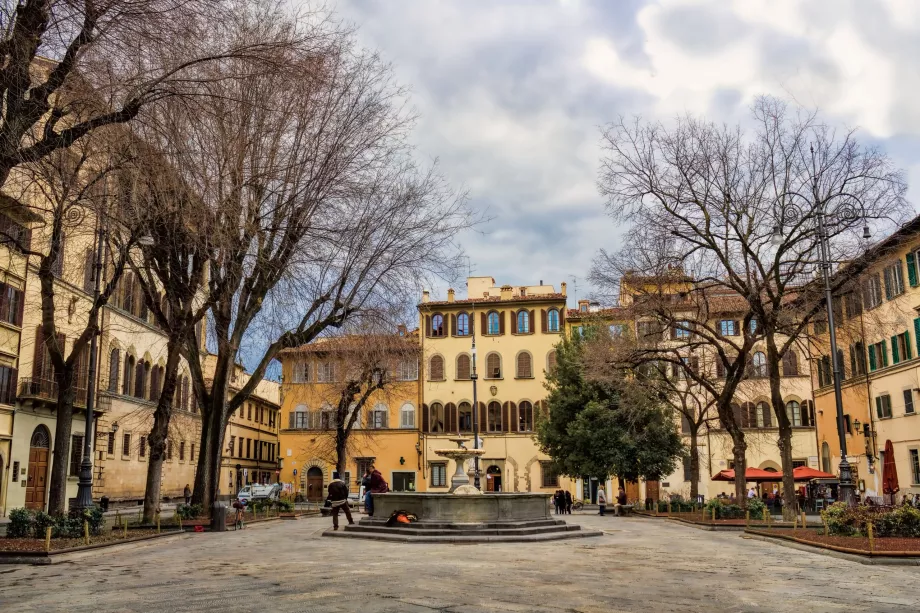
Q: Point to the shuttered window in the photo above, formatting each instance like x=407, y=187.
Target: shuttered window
x=790, y=364
x=76, y=455
x=8, y=377
x=463, y=367
x=436, y=368
x=524, y=365
x=493, y=366
x=494, y=417
x=551, y=361
x=494, y=324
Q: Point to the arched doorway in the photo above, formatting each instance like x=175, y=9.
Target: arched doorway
x=493, y=479
x=315, y=484
x=38, y=468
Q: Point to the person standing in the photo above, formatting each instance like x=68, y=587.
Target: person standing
x=601, y=500
x=187, y=492
x=568, y=502
x=338, y=499
x=366, y=484
x=378, y=486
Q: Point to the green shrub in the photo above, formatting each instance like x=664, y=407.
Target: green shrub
x=189, y=511
x=756, y=507
x=903, y=522
x=845, y=521
x=40, y=522
x=21, y=523
x=284, y=505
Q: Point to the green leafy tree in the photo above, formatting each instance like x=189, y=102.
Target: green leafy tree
x=605, y=427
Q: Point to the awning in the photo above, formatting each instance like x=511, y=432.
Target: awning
x=804, y=473
x=753, y=475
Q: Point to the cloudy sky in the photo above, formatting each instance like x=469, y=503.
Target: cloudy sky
x=512, y=94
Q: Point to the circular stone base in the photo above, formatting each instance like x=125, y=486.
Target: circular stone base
x=466, y=490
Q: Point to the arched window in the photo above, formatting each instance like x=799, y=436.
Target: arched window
x=523, y=322
x=155, y=383
x=794, y=412
x=437, y=417
x=463, y=367
x=551, y=361
x=436, y=368
x=524, y=365
x=493, y=366
x=494, y=416
x=407, y=416
x=463, y=324
x=40, y=438
x=465, y=410
x=552, y=320
x=494, y=323
x=114, y=363
x=378, y=420
x=764, y=418
x=759, y=365
x=408, y=370
x=825, y=457
x=128, y=379
x=525, y=416
x=748, y=415
x=437, y=325
x=184, y=397
x=790, y=364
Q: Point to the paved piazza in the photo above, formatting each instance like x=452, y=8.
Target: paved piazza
x=638, y=565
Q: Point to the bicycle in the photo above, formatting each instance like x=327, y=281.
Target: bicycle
x=578, y=505
x=238, y=522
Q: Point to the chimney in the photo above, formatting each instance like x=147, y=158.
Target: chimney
x=425, y=295
x=562, y=285
x=401, y=329
x=507, y=292
x=450, y=295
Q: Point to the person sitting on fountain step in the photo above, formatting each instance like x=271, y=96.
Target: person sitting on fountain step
x=378, y=486
x=338, y=498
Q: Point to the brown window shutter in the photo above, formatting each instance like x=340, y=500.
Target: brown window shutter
x=738, y=330
x=562, y=319
x=513, y=414
x=451, y=409
x=447, y=326
x=472, y=319
x=427, y=325
x=533, y=325
x=501, y=322
x=453, y=324
x=425, y=418
x=22, y=304
x=543, y=320
x=485, y=323
x=38, y=361
x=483, y=417
x=538, y=408
x=4, y=299
x=506, y=416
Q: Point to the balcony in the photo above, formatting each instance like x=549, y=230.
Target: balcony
x=45, y=389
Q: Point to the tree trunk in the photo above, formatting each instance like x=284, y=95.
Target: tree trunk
x=67, y=392
x=214, y=418
x=694, y=462
x=739, y=450
x=159, y=433
x=785, y=429
x=341, y=450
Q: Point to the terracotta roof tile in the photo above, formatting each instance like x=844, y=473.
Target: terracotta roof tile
x=495, y=299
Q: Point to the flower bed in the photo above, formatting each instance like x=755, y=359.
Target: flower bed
x=888, y=546
x=27, y=544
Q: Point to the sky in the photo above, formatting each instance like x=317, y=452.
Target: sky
x=512, y=95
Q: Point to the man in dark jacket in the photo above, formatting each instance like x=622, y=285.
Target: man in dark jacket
x=338, y=498
x=568, y=502
x=377, y=486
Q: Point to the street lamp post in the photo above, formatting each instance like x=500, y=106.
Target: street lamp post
x=474, y=376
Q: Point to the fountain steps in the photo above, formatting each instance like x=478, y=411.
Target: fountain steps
x=461, y=526
x=484, y=532
x=410, y=531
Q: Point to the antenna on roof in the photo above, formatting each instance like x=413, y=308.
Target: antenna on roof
x=574, y=288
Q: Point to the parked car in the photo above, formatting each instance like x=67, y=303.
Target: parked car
x=260, y=492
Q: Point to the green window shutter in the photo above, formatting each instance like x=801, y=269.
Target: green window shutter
x=917, y=334
x=878, y=406
x=895, y=358
x=911, y=270
x=907, y=355
x=872, y=363
x=884, y=345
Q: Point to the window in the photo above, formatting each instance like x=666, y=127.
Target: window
x=463, y=367
x=883, y=406
x=231, y=446
x=169, y=450
x=8, y=380
x=249, y=411
x=142, y=447
x=301, y=372
x=299, y=418
x=764, y=415
x=525, y=416
x=76, y=455
x=872, y=291
x=325, y=372
x=326, y=418
x=649, y=330
x=616, y=330
x=552, y=320
x=680, y=330
x=853, y=304
x=790, y=364
x=523, y=322
x=12, y=231
x=728, y=327
x=248, y=448
x=551, y=361
x=688, y=473
x=840, y=364
x=900, y=347
x=463, y=324
x=182, y=451
x=794, y=412
x=407, y=416
x=437, y=325
x=403, y=481
x=127, y=380
x=126, y=443
x=820, y=327
x=857, y=359
x=140, y=379
x=494, y=323
x=753, y=326
x=878, y=355
x=825, y=457
x=436, y=368
x=908, y=402
x=759, y=365
x=378, y=419
x=408, y=370
x=239, y=452
x=11, y=304
x=894, y=280
x=494, y=417
x=493, y=366
x=914, y=456
x=465, y=411
x=437, y=417
x=549, y=475
x=438, y=474
x=524, y=366
x=110, y=443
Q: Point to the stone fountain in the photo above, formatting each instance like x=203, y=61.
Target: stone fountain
x=464, y=514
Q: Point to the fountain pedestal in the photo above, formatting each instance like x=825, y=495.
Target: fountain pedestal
x=460, y=483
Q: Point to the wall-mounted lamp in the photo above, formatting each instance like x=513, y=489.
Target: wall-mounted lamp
x=856, y=424
x=114, y=427
x=402, y=460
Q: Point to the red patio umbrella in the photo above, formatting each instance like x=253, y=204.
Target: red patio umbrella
x=753, y=475
x=889, y=471
x=804, y=473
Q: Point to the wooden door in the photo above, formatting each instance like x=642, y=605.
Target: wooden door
x=632, y=491
x=315, y=491
x=652, y=490
x=36, y=479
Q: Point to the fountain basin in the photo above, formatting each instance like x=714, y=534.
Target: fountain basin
x=471, y=508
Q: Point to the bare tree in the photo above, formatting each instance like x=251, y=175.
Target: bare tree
x=314, y=203
x=744, y=214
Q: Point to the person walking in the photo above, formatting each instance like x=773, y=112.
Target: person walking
x=568, y=502
x=187, y=492
x=338, y=499
x=621, y=502
x=601, y=500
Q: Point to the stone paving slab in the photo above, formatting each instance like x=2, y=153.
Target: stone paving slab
x=636, y=565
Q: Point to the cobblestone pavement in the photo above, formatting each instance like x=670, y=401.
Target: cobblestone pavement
x=638, y=565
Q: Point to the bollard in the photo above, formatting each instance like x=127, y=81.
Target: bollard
x=747, y=518
x=669, y=508
x=713, y=515
x=86, y=531
x=124, y=529
x=871, y=538
x=765, y=515
x=158, y=522
x=795, y=522
x=48, y=538
x=179, y=520
x=803, y=519
x=825, y=526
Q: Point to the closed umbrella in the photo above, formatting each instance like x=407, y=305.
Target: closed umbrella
x=889, y=472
